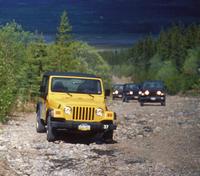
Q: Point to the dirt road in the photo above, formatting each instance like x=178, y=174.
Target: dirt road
x=149, y=141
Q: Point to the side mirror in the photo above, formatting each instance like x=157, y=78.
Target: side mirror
x=107, y=92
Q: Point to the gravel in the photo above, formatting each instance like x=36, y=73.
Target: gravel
x=149, y=141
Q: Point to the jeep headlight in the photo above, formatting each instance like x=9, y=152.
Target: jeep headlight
x=131, y=92
x=158, y=92
x=140, y=92
x=115, y=92
x=67, y=110
x=146, y=92
x=99, y=112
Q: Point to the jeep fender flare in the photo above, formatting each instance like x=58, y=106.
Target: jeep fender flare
x=39, y=109
x=48, y=114
x=39, y=112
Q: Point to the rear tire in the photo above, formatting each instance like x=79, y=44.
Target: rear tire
x=51, y=135
x=141, y=104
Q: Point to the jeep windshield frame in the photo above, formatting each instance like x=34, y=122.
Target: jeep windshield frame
x=76, y=85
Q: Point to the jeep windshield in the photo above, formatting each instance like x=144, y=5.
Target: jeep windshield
x=131, y=87
x=76, y=85
x=118, y=87
x=153, y=85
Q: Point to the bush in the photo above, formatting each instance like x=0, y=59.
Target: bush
x=170, y=76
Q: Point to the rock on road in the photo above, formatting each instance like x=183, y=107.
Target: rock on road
x=149, y=141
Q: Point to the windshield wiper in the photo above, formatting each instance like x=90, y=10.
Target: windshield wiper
x=90, y=95
x=68, y=94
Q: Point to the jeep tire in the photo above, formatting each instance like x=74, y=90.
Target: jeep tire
x=108, y=136
x=51, y=136
x=163, y=103
x=141, y=104
x=40, y=126
x=125, y=99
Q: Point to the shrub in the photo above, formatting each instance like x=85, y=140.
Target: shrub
x=170, y=76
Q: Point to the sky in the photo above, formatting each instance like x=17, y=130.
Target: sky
x=101, y=17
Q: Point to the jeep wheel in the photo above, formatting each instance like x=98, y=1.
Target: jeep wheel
x=50, y=131
x=163, y=103
x=125, y=99
x=141, y=104
x=40, y=126
x=108, y=136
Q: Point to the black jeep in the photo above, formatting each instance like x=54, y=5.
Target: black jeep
x=130, y=92
x=152, y=91
x=117, y=91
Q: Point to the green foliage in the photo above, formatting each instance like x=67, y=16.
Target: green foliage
x=170, y=75
x=36, y=63
x=156, y=63
x=192, y=62
x=13, y=41
x=191, y=70
x=89, y=60
x=123, y=69
x=117, y=60
x=64, y=30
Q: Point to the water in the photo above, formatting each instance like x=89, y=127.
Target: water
x=104, y=40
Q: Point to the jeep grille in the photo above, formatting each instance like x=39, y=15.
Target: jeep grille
x=83, y=113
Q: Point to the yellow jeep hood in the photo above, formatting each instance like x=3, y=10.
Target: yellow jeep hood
x=77, y=100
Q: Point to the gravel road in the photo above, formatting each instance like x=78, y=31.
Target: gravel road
x=149, y=141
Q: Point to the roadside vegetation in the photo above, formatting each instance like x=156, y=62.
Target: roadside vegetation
x=174, y=57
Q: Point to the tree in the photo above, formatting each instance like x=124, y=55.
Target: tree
x=64, y=36
x=13, y=41
x=89, y=60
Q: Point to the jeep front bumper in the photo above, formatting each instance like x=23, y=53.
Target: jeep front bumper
x=82, y=126
x=152, y=98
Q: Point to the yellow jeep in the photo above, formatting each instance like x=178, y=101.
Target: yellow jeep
x=73, y=102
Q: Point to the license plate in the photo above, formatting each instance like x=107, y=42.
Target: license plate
x=135, y=96
x=84, y=127
x=153, y=98
x=120, y=96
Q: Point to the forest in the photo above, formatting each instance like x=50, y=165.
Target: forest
x=174, y=57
